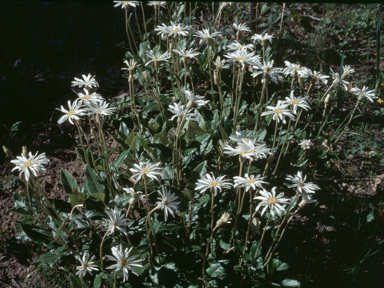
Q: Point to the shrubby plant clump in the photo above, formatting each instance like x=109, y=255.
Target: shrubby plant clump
x=210, y=163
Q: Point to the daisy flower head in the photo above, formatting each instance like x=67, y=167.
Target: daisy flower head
x=346, y=71
x=268, y=70
x=241, y=27
x=185, y=54
x=337, y=79
x=87, y=82
x=31, y=165
x=240, y=137
x=100, y=109
x=173, y=29
x=194, y=99
x=74, y=111
x=279, y=112
x=131, y=65
x=88, y=98
x=243, y=56
x=256, y=149
x=157, y=4
x=167, y=202
x=317, y=77
x=242, y=151
x=271, y=201
x=87, y=265
x=249, y=181
x=125, y=4
x=237, y=46
x=180, y=111
x=124, y=261
x=145, y=169
x=157, y=57
x=210, y=182
x=306, y=144
x=364, y=93
x=299, y=182
x=137, y=196
x=205, y=35
x=262, y=39
x=116, y=221
x=295, y=102
x=224, y=219
x=295, y=69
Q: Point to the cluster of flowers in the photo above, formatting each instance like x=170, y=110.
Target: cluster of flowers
x=88, y=103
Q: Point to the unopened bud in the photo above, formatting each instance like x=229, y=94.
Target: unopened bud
x=8, y=152
x=132, y=201
x=216, y=78
x=190, y=72
x=255, y=226
x=327, y=100
x=93, y=132
x=24, y=151
x=225, y=218
x=130, y=79
x=146, y=77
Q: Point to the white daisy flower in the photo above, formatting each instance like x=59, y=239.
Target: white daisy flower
x=299, y=182
x=239, y=150
x=205, y=35
x=180, y=111
x=158, y=57
x=317, y=77
x=88, y=98
x=172, y=30
x=185, y=54
x=157, y=4
x=195, y=99
x=74, y=111
x=87, y=265
x=241, y=27
x=262, y=38
x=125, y=4
x=32, y=165
x=306, y=144
x=167, y=202
x=243, y=56
x=249, y=181
x=137, y=196
x=209, y=182
x=240, y=137
x=337, y=79
x=271, y=201
x=123, y=260
x=256, y=149
x=364, y=93
x=268, y=69
x=145, y=169
x=131, y=65
x=297, y=102
x=237, y=46
x=116, y=220
x=293, y=69
x=88, y=82
x=100, y=108
x=279, y=112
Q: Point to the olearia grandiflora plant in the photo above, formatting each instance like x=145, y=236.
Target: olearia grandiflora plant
x=196, y=184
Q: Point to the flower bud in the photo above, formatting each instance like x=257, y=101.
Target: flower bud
x=255, y=226
x=216, y=78
x=146, y=77
x=190, y=72
x=24, y=151
x=225, y=218
x=8, y=152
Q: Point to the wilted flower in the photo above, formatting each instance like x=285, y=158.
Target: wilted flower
x=125, y=4
x=88, y=82
x=86, y=265
x=209, y=182
x=123, y=260
x=116, y=220
x=224, y=219
x=136, y=195
x=337, y=79
x=167, y=202
x=271, y=201
x=249, y=181
x=33, y=164
x=131, y=65
x=145, y=169
x=361, y=93
x=73, y=112
x=306, y=144
x=279, y=112
x=297, y=102
x=220, y=64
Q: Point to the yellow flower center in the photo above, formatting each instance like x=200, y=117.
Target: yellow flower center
x=27, y=164
x=87, y=97
x=157, y=59
x=241, y=46
x=272, y=200
x=176, y=31
x=295, y=102
x=277, y=111
x=268, y=70
x=145, y=171
x=99, y=111
x=71, y=112
x=214, y=184
x=135, y=195
x=114, y=224
x=85, y=266
x=185, y=55
x=315, y=76
x=165, y=202
x=380, y=101
x=251, y=180
x=242, y=152
x=123, y=263
x=296, y=68
x=240, y=58
x=301, y=184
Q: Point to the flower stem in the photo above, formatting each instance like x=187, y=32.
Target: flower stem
x=261, y=240
x=101, y=249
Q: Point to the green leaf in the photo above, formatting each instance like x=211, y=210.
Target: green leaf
x=202, y=200
x=99, y=196
x=124, y=129
x=280, y=265
x=238, y=247
x=166, y=173
x=290, y=283
x=76, y=199
x=92, y=184
x=97, y=282
x=200, y=169
x=69, y=183
x=370, y=217
x=49, y=259
x=75, y=281
x=215, y=270
x=224, y=245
